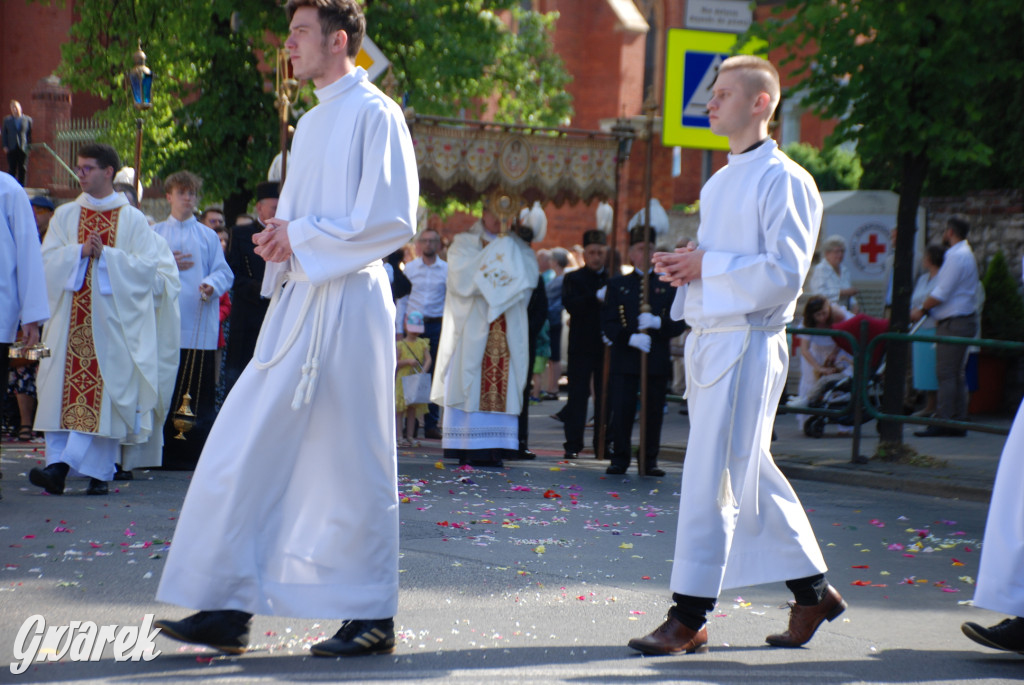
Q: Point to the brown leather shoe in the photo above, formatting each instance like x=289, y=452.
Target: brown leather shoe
x=672, y=637
x=804, y=620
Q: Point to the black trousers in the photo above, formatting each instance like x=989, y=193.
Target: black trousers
x=583, y=369
x=622, y=390
x=183, y=455
x=17, y=164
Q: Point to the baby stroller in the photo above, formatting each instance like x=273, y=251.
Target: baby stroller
x=835, y=391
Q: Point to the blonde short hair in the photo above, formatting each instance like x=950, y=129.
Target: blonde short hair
x=759, y=75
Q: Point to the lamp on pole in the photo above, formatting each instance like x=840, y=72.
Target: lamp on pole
x=140, y=80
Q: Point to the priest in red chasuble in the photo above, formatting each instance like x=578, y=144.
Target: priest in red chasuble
x=113, y=286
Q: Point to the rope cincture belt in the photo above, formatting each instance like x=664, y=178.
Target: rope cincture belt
x=725, y=491
x=311, y=367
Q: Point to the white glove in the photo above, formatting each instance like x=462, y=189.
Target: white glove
x=601, y=292
x=649, y=321
x=605, y=340
x=640, y=341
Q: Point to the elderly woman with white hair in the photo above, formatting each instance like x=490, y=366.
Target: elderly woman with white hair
x=830, y=279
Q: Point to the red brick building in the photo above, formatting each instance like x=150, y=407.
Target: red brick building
x=612, y=48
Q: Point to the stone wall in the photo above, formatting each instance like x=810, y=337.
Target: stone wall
x=997, y=223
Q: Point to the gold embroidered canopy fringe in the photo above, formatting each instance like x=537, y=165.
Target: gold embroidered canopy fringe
x=464, y=159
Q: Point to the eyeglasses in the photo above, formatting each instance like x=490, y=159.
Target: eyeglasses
x=429, y=240
x=85, y=169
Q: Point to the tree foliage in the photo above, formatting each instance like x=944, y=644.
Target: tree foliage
x=834, y=168
x=1002, y=317
x=903, y=79
x=213, y=109
x=457, y=57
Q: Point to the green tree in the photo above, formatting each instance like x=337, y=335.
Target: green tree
x=903, y=80
x=213, y=108
x=211, y=113
x=833, y=169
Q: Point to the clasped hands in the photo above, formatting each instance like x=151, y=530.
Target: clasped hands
x=93, y=245
x=680, y=266
x=272, y=242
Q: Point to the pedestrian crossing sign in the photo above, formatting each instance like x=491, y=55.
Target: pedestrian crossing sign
x=692, y=61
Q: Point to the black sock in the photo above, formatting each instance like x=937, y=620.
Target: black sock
x=810, y=590
x=691, y=611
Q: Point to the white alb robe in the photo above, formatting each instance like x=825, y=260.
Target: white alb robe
x=483, y=284
x=740, y=522
x=200, y=320
x=134, y=290
x=22, y=283
x=301, y=505
x=1001, y=574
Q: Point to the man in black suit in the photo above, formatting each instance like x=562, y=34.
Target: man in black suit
x=583, y=292
x=17, y=136
x=247, y=306
x=629, y=332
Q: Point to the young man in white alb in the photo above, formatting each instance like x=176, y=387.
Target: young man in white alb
x=740, y=523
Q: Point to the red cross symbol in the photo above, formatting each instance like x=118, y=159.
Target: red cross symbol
x=872, y=248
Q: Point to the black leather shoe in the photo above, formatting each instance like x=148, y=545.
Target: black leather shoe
x=50, y=479
x=1007, y=635
x=226, y=631
x=523, y=455
x=358, y=638
x=97, y=487
x=121, y=474
x=570, y=455
x=655, y=471
x=615, y=470
x=432, y=434
x=940, y=432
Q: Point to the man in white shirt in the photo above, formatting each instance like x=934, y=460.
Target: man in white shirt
x=428, y=275
x=953, y=303
x=205, y=276
x=740, y=522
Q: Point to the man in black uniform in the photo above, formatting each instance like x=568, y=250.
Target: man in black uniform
x=247, y=307
x=631, y=332
x=583, y=291
x=536, y=315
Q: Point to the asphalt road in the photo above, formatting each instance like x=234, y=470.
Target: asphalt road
x=502, y=583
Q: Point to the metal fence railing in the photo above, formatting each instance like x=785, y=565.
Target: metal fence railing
x=70, y=135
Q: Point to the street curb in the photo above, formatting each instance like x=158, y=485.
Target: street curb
x=860, y=477
x=881, y=481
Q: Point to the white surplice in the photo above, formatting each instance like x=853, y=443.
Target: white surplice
x=483, y=284
x=135, y=325
x=1001, y=573
x=22, y=283
x=294, y=512
x=200, y=320
x=740, y=522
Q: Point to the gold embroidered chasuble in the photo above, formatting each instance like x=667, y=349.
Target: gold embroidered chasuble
x=82, y=398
